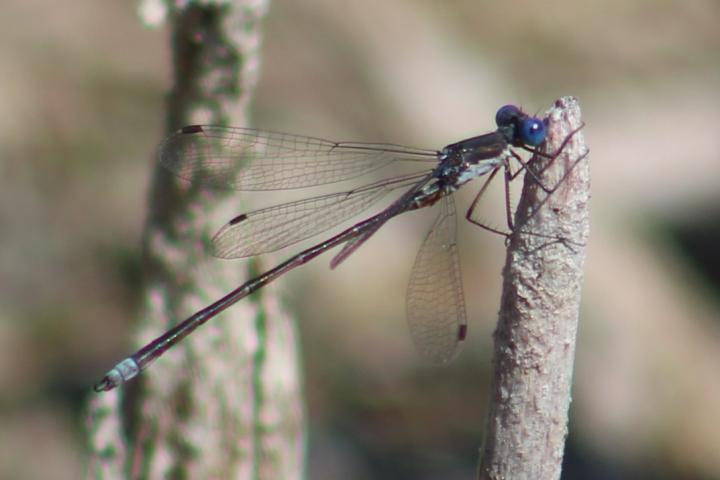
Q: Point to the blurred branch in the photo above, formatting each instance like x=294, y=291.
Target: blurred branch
x=225, y=403
x=535, y=336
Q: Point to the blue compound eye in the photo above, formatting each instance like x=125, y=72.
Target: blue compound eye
x=507, y=115
x=532, y=131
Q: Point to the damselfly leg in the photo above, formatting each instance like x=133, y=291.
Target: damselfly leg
x=536, y=176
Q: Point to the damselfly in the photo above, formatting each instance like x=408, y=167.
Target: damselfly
x=247, y=159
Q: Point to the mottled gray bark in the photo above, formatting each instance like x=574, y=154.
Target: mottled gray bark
x=535, y=336
x=226, y=402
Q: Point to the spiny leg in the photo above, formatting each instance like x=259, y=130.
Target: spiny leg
x=549, y=191
x=508, y=177
x=552, y=158
x=534, y=151
x=473, y=205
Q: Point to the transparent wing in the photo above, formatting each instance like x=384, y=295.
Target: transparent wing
x=248, y=159
x=277, y=227
x=402, y=204
x=435, y=303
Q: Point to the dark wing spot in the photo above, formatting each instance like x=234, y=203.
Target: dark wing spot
x=192, y=129
x=462, y=332
x=238, y=219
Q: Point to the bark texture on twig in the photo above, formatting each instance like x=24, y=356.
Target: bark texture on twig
x=535, y=336
x=226, y=402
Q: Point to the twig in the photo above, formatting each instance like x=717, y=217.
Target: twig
x=226, y=402
x=535, y=336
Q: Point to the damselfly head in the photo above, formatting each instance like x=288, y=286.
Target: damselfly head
x=532, y=131
x=508, y=115
x=519, y=128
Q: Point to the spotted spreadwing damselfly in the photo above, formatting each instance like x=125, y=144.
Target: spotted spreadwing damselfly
x=248, y=159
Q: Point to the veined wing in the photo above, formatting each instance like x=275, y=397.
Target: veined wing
x=249, y=159
x=402, y=204
x=435, y=303
x=277, y=227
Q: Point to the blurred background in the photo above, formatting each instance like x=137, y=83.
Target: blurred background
x=83, y=87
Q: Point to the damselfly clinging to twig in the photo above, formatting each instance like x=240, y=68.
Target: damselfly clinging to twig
x=247, y=159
